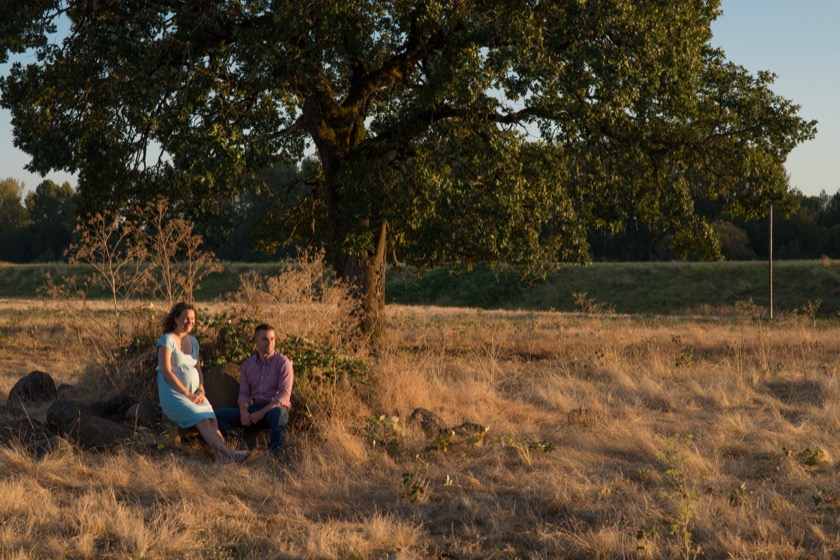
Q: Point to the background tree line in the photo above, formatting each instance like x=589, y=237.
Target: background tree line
x=37, y=226
x=809, y=231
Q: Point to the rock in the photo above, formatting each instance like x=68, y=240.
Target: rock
x=468, y=429
x=68, y=391
x=37, y=386
x=22, y=430
x=46, y=445
x=64, y=414
x=114, y=408
x=429, y=422
x=221, y=385
x=75, y=421
x=95, y=432
x=144, y=414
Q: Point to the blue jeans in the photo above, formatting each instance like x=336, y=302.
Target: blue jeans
x=275, y=420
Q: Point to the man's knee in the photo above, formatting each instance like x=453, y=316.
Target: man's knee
x=278, y=416
x=228, y=418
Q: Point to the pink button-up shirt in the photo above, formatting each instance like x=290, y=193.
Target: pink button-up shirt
x=267, y=380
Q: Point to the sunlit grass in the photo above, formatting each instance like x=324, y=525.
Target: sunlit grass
x=607, y=437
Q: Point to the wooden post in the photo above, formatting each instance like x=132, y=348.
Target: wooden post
x=770, y=261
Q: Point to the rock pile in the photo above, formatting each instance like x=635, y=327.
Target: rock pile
x=117, y=421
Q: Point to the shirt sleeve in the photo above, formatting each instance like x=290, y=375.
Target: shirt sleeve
x=167, y=341
x=285, y=379
x=244, y=383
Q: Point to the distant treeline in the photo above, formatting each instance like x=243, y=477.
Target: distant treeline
x=810, y=232
x=38, y=226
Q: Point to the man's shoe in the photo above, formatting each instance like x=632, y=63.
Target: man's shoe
x=278, y=453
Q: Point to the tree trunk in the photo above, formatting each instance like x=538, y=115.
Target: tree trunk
x=366, y=275
x=336, y=131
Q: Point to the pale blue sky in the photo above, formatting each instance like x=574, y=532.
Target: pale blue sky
x=796, y=39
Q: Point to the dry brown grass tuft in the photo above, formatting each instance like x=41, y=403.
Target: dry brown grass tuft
x=608, y=437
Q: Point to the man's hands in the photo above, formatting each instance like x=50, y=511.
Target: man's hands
x=250, y=418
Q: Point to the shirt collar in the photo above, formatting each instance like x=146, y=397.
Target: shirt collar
x=260, y=361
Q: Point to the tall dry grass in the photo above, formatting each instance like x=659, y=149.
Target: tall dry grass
x=608, y=437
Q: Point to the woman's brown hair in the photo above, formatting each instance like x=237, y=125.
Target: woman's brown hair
x=169, y=322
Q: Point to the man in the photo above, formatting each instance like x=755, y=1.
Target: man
x=265, y=391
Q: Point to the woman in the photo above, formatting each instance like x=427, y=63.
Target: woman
x=181, y=383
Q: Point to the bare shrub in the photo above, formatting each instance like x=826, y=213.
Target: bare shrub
x=112, y=245
x=177, y=262
x=590, y=306
x=305, y=299
x=155, y=255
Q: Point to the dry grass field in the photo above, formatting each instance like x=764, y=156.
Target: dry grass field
x=607, y=437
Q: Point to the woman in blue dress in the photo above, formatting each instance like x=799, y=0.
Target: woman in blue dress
x=181, y=383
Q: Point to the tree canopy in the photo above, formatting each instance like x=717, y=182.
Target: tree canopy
x=443, y=132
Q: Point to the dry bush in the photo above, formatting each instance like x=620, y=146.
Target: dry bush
x=178, y=262
x=153, y=255
x=304, y=300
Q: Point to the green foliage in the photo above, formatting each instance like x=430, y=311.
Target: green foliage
x=686, y=358
x=413, y=487
x=645, y=537
x=318, y=361
x=827, y=499
x=748, y=309
x=13, y=219
x=588, y=305
x=442, y=442
x=808, y=457
x=220, y=553
x=385, y=432
x=738, y=496
x=232, y=338
x=233, y=341
x=684, y=499
x=541, y=445
x=52, y=210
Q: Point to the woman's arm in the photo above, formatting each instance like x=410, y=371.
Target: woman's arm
x=164, y=363
x=199, y=393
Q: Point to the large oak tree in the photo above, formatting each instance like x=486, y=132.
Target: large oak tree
x=447, y=131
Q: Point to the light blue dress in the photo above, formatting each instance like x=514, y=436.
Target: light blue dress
x=176, y=406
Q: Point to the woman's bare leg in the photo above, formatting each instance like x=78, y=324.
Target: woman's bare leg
x=209, y=430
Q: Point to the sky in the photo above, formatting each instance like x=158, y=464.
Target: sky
x=795, y=39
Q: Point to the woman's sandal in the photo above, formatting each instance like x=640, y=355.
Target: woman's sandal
x=237, y=457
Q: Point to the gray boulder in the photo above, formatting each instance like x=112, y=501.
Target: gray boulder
x=75, y=421
x=221, y=385
x=144, y=414
x=114, y=408
x=37, y=386
x=429, y=422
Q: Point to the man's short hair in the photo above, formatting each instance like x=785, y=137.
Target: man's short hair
x=262, y=327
